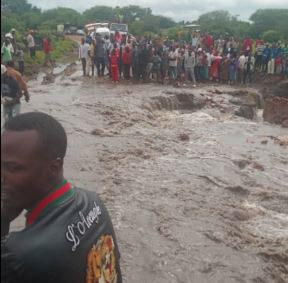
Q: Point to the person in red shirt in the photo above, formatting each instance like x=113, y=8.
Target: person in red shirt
x=127, y=62
x=247, y=45
x=118, y=37
x=208, y=41
x=47, y=48
x=114, y=61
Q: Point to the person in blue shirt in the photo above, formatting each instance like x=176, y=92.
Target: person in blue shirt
x=265, y=58
x=271, y=63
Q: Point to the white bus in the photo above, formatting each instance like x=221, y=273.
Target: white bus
x=93, y=26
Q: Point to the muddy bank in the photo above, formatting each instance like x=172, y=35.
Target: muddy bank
x=196, y=193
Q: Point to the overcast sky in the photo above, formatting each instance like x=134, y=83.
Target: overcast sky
x=178, y=10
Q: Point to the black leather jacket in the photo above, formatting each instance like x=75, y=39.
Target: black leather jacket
x=71, y=241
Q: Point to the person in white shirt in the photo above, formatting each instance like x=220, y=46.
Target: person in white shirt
x=189, y=65
x=31, y=44
x=84, y=50
x=241, y=67
x=173, y=60
x=108, y=47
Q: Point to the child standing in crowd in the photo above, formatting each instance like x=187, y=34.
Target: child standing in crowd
x=114, y=61
x=157, y=65
x=232, y=70
x=266, y=54
x=47, y=48
x=241, y=67
x=189, y=65
x=249, y=67
x=127, y=61
x=278, y=65
x=173, y=60
x=224, y=70
x=19, y=57
x=164, y=65
x=180, y=67
x=215, y=66
x=205, y=71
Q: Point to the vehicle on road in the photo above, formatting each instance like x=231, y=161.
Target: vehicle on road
x=80, y=32
x=93, y=26
x=122, y=28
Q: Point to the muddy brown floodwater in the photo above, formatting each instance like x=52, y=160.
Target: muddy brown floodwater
x=196, y=194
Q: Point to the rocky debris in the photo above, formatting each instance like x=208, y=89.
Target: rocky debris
x=243, y=163
x=101, y=133
x=277, y=88
x=248, y=102
x=276, y=110
x=48, y=79
x=140, y=153
x=285, y=123
x=177, y=101
x=281, y=89
x=258, y=166
x=281, y=140
x=71, y=69
x=235, y=101
x=253, y=99
x=246, y=111
x=184, y=137
x=217, y=91
x=237, y=92
x=243, y=97
x=238, y=190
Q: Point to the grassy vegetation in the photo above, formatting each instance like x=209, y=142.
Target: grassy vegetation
x=63, y=51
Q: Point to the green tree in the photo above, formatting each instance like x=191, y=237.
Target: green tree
x=32, y=19
x=215, y=22
x=269, y=19
x=222, y=22
x=99, y=14
x=271, y=36
x=151, y=24
x=62, y=15
x=16, y=6
x=133, y=12
x=8, y=22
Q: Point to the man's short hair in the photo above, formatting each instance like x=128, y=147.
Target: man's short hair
x=53, y=139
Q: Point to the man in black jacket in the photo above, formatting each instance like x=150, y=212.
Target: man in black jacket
x=68, y=237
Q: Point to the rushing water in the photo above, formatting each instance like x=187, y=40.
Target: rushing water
x=211, y=208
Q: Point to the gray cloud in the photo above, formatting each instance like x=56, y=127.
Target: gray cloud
x=178, y=10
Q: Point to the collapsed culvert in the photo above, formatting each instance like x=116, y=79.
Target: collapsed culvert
x=177, y=101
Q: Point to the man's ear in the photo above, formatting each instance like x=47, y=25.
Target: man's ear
x=55, y=168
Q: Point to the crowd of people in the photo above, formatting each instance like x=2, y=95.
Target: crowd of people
x=204, y=58
x=13, y=85
x=13, y=49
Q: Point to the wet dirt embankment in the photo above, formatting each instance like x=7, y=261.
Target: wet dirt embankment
x=197, y=192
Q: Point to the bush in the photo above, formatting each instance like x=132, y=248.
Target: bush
x=271, y=36
x=59, y=49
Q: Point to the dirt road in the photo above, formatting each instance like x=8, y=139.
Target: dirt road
x=196, y=194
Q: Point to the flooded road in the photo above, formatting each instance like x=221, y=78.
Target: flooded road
x=196, y=194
